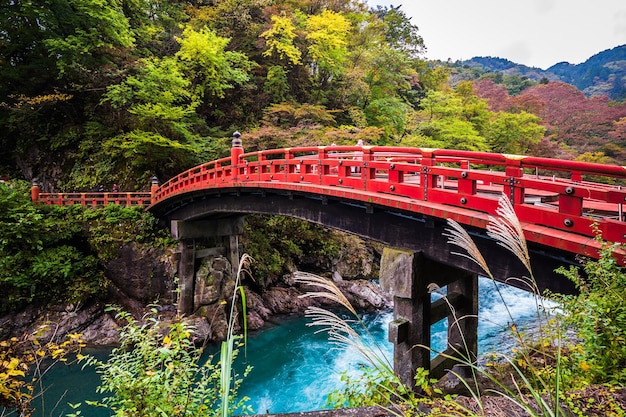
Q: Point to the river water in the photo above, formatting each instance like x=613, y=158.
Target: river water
x=294, y=368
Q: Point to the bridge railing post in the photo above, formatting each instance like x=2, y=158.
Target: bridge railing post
x=236, y=151
x=512, y=188
x=466, y=184
x=394, y=175
x=428, y=179
x=367, y=171
x=322, y=166
x=154, y=188
x=35, y=190
x=289, y=167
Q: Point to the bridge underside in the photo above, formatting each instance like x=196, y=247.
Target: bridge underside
x=420, y=233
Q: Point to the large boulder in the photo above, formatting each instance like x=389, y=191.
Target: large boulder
x=144, y=273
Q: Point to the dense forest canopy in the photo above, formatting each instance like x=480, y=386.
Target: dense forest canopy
x=101, y=92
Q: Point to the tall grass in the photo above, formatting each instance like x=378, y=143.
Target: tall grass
x=534, y=388
x=379, y=385
x=531, y=385
x=228, y=346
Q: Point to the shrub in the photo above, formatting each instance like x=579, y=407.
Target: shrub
x=598, y=315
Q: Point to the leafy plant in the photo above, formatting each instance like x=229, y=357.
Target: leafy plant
x=43, y=254
x=598, y=315
x=23, y=363
x=158, y=371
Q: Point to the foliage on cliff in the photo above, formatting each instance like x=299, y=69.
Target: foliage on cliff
x=56, y=253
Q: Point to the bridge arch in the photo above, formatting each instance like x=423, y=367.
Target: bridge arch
x=397, y=229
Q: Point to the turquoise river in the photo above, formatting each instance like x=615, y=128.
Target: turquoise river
x=294, y=369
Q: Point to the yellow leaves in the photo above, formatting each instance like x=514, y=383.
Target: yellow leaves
x=56, y=353
x=12, y=364
x=328, y=37
x=585, y=366
x=25, y=101
x=279, y=39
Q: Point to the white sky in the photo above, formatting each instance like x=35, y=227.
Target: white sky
x=536, y=33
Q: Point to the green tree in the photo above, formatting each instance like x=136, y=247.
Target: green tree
x=276, y=85
x=452, y=121
x=42, y=253
x=88, y=32
x=211, y=68
x=159, y=134
x=514, y=133
x=389, y=114
x=400, y=33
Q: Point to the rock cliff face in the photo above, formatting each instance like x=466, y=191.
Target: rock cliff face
x=140, y=276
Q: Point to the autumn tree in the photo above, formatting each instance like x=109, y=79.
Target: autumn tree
x=571, y=118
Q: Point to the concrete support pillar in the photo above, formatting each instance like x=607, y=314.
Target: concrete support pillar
x=232, y=251
x=410, y=328
x=462, y=294
x=463, y=334
x=186, y=274
x=224, y=232
x=407, y=275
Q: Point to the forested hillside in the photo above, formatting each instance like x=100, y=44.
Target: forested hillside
x=98, y=92
x=603, y=74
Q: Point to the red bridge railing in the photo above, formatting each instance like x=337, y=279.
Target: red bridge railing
x=92, y=199
x=559, y=202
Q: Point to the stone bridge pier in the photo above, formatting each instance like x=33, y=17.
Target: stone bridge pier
x=218, y=238
x=413, y=280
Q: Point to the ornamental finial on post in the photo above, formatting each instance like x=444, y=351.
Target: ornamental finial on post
x=154, y=187
x=35, y=190
x=236, y=149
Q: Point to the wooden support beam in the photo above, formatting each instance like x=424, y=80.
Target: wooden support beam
x=186, y=276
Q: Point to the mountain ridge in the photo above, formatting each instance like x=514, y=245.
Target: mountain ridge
x=601, y=74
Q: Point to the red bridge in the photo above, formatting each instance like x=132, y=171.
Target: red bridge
x=401, y=197
x=557, y=201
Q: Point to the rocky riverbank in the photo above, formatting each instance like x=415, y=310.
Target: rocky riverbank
x=141, y=277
